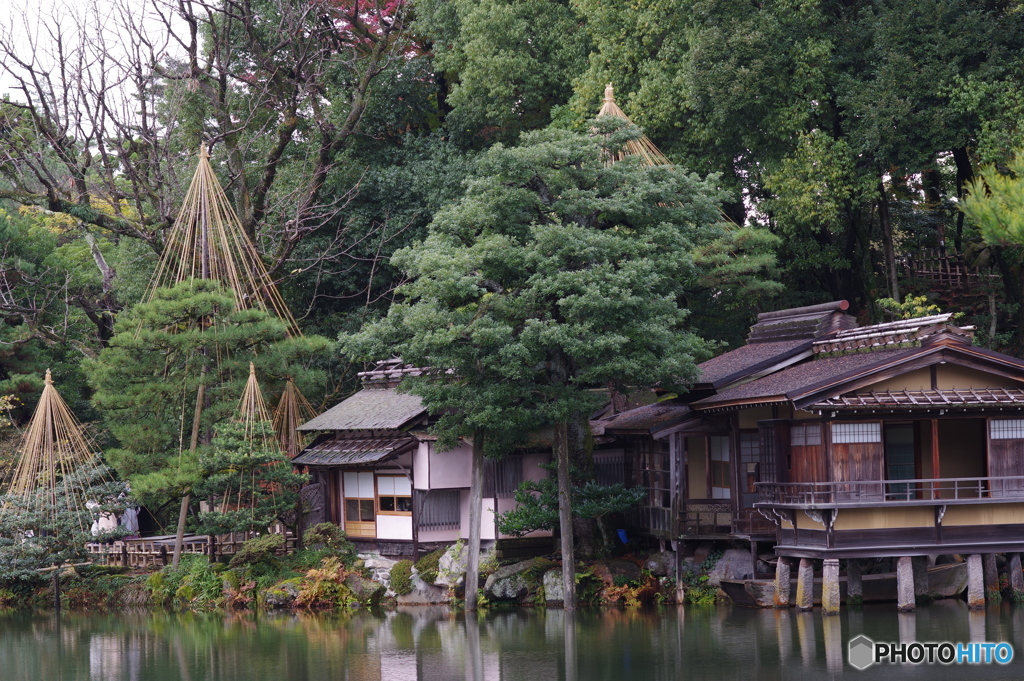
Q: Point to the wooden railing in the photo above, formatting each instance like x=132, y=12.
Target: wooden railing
x=158, y=551
x=884, y=492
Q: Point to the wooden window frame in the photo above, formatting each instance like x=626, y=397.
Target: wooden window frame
x=396, y=497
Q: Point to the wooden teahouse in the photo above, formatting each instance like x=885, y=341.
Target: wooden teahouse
x=379, y=475
x=835, y=441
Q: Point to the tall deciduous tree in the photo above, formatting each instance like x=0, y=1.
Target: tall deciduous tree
x=555, y=277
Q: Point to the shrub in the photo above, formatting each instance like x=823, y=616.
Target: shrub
x=325, y=587
x=329, y=537
x=427, y=566
x=401, y=577
x=194, y=583
x=258, y=550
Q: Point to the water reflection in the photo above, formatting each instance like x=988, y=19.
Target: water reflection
x=435, y=644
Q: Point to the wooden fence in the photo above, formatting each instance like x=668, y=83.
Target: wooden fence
x=158, y=551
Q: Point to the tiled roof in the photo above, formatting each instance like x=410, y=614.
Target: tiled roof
x=801, y=323
x=905, y=333
x=911, y=399
x=748, y=359
x=643, y=418
x=796, y=379
x=370, y=409
x=328, y=451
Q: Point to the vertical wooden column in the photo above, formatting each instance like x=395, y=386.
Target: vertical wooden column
x=975, y=583
x=989, y=571
x=782, y=582
x=1016, y=577
x=936, y=492
x=854, y=584
x=830, y=587
x=905, y=585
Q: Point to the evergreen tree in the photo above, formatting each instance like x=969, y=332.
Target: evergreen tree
x=247, y=479
x=147, y=381
x=556, y=277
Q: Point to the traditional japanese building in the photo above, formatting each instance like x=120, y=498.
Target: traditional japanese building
x=836, y=441
x=379, y=474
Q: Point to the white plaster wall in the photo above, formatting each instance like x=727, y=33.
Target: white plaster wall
x=394, y=527
x=450, y=470
x=421, y=466
x=486, y=519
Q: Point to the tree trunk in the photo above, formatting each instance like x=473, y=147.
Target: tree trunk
x=193, y=444
x=565, y=515
x=476, y=497
x=887, y=245
x=964, y=174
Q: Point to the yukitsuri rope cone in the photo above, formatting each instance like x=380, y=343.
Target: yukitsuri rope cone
x=54, y=452
x=252, y=411
x=292, y=411
x=207, y=241
x=643, y=147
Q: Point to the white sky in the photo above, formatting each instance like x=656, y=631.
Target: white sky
x=27, y=23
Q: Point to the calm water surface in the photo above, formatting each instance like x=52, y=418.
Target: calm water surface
x=434, y=644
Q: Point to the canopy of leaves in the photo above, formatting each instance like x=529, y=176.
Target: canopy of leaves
x=555, y=275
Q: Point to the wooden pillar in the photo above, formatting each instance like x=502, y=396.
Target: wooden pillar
x=991, y=574
x=936, y=493
x=1016, y=577
x=830, y=587
x=782, y=582
x=975, y=583
x=920, y=566
x=905, y=585
x=805, y=584
x=854, y=584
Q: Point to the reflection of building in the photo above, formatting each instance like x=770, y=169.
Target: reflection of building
x=381, y=477
x=114, y=656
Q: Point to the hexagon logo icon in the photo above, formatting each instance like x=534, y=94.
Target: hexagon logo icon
x=861, y=652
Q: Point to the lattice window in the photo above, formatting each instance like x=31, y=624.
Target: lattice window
x=654, y=473
x=503, y=476
x=856, y=433
x=806, y=434
x=1006, y=429
x=750, y=460
x=440, y=509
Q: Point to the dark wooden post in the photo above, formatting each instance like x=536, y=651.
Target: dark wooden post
x=936, y=493
x=163, y=554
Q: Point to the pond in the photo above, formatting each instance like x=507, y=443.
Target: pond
x=437, y=644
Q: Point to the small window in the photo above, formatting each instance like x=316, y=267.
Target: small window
x=1006, y=429
x=806, y=434
x=856, y=433
x=394, y=494
x=359, y=510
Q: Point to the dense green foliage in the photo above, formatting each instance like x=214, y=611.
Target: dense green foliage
x=447, y=145
x=148, y=378
x=39, y=531
x=248, y=481
x=537, y=507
